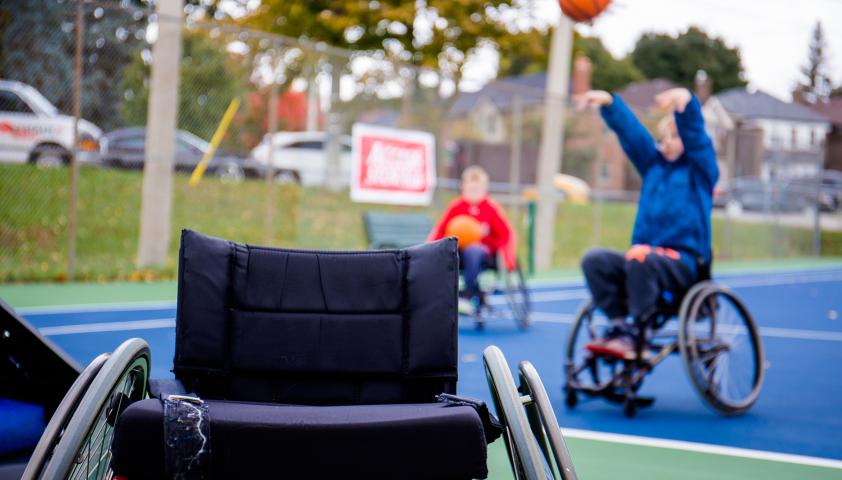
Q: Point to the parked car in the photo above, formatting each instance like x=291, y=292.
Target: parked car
x=32, y=130
x=126, y=148
x=754, y=194
x=300, y=157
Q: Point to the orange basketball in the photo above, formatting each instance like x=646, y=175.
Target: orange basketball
x=465, y=228
x=583, y=10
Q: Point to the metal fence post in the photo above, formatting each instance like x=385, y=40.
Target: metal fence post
x=270, y=163
x=73, y=213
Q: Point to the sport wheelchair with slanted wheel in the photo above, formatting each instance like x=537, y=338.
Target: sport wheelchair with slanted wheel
x=300, y=364
x=504, y=292
x=709, y=327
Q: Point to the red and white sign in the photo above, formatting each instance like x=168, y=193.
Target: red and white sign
x=390, y=165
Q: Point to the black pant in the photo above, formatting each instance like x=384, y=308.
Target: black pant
x=621, y=286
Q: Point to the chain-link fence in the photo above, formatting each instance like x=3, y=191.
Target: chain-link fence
x=280, y=188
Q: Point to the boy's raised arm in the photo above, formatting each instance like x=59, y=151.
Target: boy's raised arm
x=698, y=146
x=636, y=141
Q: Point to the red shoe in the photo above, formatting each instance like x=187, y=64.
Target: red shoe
x=621, y=347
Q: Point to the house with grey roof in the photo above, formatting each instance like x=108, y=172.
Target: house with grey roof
x=832, y=110
x=757, y=134
x=485, y=112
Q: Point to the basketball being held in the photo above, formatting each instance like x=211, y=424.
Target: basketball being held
x=583, y=10
x=465, y=228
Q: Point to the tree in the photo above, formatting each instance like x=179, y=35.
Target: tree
x=38, y=48
x=526, y=53
x=440, y=35
x=209, y=80
x=659, y=55
x=816, y=84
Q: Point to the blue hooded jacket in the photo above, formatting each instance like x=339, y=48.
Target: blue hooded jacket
x=676, y=197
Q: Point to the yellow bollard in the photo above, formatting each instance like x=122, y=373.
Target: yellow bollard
x=215, y=141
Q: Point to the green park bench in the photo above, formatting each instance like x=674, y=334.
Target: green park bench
x=396, y=230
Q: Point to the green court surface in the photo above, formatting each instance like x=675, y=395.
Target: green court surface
x=609, y=460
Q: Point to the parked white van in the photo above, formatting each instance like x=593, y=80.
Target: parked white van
x=300, y=157
x=32, y=130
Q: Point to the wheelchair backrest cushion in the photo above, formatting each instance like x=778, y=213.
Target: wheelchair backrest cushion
x=314, y=327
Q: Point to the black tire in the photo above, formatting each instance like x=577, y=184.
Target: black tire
x=230, y=172
x=49, y=156
x=85, y=445
x=722, y=351
x=580, y=370
x=287, y=177
x=517, y=296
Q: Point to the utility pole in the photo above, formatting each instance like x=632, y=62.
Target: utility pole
x=552, y=140
x=156, y=203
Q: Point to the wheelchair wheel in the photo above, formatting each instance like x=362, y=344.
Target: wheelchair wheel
x=84, y=448
x=722, y=351
x=525, y=455
x=517, y=295
x=583, y=371
x=543, y=421
x=59, y=420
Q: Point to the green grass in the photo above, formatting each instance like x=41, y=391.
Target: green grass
x=34, y=221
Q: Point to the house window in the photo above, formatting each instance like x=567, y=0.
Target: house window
x=492, y=124
x=812, y=137
x=794, y=141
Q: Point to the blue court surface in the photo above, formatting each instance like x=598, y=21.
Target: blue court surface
x=799, y=411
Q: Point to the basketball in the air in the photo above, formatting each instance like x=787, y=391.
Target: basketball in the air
x=465, y=228
x=583, y=10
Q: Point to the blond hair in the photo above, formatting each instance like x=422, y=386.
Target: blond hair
x=664, y=124
x=475, y=173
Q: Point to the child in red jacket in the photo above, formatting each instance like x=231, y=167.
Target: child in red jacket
x=496, y=233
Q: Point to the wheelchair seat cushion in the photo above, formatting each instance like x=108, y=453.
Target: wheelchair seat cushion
x=256, y=440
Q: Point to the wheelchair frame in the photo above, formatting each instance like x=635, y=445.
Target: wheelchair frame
x=632, y=372
x=532, y=436
x=512, y=285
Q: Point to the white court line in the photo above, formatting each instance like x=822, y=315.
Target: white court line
x=729, y=280
x=702, y=448
x=108, y=327
x=774, y=332
x=96, y=307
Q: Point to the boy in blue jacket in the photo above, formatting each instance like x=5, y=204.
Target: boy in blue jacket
x=672, y=230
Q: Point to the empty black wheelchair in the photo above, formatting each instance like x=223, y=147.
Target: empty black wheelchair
x=709, y=327
x=301, y=364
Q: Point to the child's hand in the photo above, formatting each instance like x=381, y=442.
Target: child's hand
x=592, y=99
x=673, y=100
